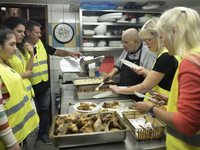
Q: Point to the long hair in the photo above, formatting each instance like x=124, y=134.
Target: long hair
x=182, y=27
x=13, y=22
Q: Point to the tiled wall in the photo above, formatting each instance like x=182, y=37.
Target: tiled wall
x=58, y=14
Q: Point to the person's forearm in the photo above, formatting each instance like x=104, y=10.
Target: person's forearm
x=30, y=63
x=62, y=53
x=114, y=71
x=23, y=75
x=166, y=117
x=130, y=90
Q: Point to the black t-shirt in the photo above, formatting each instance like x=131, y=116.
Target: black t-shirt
x=166, y=64
x=42, y=86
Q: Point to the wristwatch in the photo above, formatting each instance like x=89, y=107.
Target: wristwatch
x=151, y=111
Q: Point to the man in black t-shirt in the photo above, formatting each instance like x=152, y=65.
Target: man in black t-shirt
x=40, y=78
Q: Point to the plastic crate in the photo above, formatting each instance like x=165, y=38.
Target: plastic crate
x=144, y=134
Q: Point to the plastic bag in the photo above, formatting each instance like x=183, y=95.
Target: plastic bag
x=104, y=6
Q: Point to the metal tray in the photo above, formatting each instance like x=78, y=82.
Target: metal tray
x=89, y=95
x=89, y=81
x=82, y=139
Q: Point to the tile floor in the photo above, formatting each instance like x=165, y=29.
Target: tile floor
x=40, y=145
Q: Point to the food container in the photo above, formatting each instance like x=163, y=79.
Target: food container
x=88, y=91
x=89, y=81
x=83, y=139
x=145, y=134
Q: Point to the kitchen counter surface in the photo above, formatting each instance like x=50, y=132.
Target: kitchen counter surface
x=68, y=95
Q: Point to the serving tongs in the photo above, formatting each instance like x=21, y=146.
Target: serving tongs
x=97, y=88
x=151, y=92
x=143, y=96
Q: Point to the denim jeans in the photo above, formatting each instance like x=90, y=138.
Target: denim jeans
x=42, y=102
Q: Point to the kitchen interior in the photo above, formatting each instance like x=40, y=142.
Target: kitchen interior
x=99, y=39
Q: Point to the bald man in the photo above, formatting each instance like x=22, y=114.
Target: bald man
x=136, y=52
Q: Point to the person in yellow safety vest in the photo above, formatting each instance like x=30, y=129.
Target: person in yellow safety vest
x=40, y=77
x=159, y=79
x=149, y=28
x=179, y=31
x=18, y=117
x=23, y=64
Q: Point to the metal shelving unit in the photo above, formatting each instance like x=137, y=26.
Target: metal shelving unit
x=110, y=26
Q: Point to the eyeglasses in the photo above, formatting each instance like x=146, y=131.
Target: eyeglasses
x=149, y=40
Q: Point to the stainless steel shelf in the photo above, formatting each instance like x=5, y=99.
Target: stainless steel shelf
x=111, y=24
x=102, y=49
x=102, y=36
x=128, y=11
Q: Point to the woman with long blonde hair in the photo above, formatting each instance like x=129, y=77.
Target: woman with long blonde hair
x=179, y=31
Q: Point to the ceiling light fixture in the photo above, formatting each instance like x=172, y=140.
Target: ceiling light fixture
x=3, y=8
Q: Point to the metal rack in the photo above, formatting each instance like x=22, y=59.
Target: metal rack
x=110, y=26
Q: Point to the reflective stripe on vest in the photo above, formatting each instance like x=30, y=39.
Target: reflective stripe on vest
x=17, y=107
x=194, y=140
x=40, y=66
x=21, y=115
x=28, y=88
x=16, y=64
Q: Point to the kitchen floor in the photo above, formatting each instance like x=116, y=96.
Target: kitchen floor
x=40, y=145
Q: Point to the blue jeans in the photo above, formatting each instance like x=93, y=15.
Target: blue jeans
x=42, y=102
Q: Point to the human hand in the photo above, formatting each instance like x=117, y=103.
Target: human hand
x=29, y=73
x=75, y=54
x=139, y=71
x=114, y=88
x=107, y=77
x=14, y=147
x=159, y=96
x=143, y=107
x=28, y=48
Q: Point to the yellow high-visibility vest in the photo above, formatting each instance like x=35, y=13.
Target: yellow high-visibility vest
x=21, y=115
x=175, y=139
x=157, y=88
x=17, y=65
x=40, y=66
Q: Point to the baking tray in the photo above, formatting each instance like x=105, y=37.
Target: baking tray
x=89, y=95
x=145, y=134
x=83, y=139
x=90, y=81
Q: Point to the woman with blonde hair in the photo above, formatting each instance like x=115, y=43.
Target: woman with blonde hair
x=179, y=31
x=159, y=79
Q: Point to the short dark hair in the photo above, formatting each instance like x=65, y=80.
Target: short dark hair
x=5, y=34
x=13, y=22
x=31, y=24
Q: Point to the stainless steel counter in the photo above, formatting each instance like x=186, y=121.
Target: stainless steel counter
x=68, y=95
